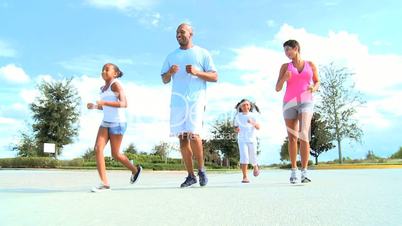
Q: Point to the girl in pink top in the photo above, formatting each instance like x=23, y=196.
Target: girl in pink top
x=302, y=81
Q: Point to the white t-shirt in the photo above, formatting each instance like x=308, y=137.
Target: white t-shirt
x=187, y=88
x=248, y=133
x=112, y=114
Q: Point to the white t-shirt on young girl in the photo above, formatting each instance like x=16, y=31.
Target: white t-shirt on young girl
x=247, y=133
x=187, y=88
x=112, y=114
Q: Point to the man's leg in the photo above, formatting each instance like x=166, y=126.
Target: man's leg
x=197, y=149
x=196, y=146
x=186, y=153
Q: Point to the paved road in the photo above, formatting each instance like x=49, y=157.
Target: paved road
x=335, y=197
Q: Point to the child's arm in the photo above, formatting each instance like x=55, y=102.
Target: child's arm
x=122, y=101
x=254, y=123
x=94, y=106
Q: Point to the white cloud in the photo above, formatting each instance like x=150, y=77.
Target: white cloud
x=46, y=78
x=92, y=64
x=29, y=95
x=215, y=52
x=271, y=23
x=14, y=74
x=382, y=43
x=139, y=9
x=7, y=121
x=331, y=2
x=6, y=50
x=124, y=5
x=18, y=106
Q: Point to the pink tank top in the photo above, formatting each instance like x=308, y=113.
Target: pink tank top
x=297, y=85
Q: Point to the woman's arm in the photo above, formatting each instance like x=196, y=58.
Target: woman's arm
x=316, y=79
x=284, y=75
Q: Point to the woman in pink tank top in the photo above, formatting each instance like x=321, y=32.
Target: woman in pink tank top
x=302, y=81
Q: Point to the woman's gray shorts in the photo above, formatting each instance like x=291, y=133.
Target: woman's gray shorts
x=292, y=109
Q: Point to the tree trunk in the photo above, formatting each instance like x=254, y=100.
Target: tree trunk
x=316, y=160
x=340, y=151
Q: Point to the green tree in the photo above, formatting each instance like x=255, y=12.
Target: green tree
x=321, y=138
x=397, y=155
x=225, y=140
x=89, y=154
x=56, y=114
x=26, y=145
x=371, y=156
x=339, y=103
x=284, y=150
x=210, y=154
x=163, y=149
x=131, y=148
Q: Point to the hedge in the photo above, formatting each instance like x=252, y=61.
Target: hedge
x=29, y=162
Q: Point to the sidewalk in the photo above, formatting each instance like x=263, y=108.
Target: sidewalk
x=335, y=197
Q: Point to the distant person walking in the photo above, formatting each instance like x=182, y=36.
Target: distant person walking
x=302, y=81
x=246, y=123
x=189, y=68
x=113, y=103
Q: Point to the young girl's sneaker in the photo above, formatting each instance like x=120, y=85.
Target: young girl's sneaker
x=101, y=188
x=134, y=177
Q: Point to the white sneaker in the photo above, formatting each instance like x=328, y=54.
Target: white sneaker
x=101, y=188
x=293, y=177
x=304, y=178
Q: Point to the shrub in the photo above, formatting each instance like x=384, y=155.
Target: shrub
x=141, y=159
x=397, y=155
x=29, y=162
x=288, y=166
x=77, y=162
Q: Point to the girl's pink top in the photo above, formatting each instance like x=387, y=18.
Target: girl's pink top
x=297, y=85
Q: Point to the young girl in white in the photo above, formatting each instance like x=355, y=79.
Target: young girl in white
x=113, y=103
x=246, y=124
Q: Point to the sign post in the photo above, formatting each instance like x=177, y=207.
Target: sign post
x=50, y=148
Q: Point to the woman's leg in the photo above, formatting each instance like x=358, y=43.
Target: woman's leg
x=101, y=141
x=292, y=131
x=305, y=122
x=115, y=143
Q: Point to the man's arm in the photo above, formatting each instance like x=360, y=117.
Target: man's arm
x=167, y=76
x=209, y=76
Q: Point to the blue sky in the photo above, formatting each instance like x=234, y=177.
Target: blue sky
x=62, y=39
